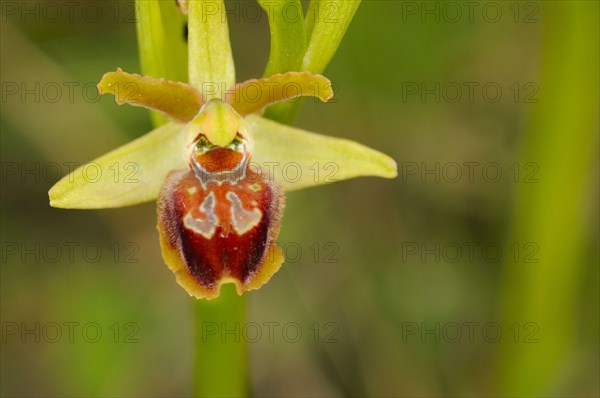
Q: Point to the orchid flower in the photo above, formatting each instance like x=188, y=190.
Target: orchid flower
x=216, y=168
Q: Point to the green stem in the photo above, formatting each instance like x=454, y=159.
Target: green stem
x=550, y=215
x=221, y=352
x=221, y=358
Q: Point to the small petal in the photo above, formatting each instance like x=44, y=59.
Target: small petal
x=298, y=159
x=254, y=95
x=131, y=174
x=179, y=101
x=211, y=234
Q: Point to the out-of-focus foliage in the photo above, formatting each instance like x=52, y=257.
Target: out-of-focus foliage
x=398, y=287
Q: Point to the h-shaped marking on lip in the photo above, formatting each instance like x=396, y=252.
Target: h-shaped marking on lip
x=205, y=227
x=242, y=220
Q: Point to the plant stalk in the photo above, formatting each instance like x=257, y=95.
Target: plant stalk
x=220, y=354
x=550, y=217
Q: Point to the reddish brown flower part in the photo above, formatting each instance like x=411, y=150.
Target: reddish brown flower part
x=218, y=222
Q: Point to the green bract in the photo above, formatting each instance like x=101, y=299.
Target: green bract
x=307, y=46
x=162, y=47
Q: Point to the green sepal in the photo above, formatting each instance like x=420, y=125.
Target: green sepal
x=299, y=159
x=130, y=174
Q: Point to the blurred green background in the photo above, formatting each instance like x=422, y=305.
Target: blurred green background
x=433, y=284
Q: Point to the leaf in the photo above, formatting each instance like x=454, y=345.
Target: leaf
x=178, y=101
x=310, y=19
x=161, y=42
x=288, y=46
x=330, y=20
x=298, y=159
x=131, y=174
x=326, y=25
x=211, y=68
x=288, y=36
x=252, y=96
x=552, y=213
